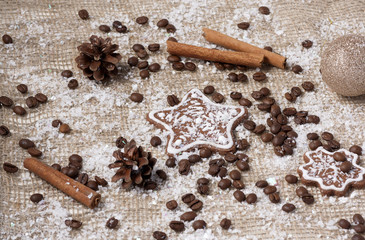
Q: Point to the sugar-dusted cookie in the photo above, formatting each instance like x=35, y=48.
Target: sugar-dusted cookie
x=334, y=173
x=198, y=122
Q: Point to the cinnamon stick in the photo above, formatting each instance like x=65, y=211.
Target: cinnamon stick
x=72, y=188
x=238, y=58
x=237, y=45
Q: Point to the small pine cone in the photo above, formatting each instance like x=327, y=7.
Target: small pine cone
x=97, y=58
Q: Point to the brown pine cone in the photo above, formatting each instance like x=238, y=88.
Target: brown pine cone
x=97, y=58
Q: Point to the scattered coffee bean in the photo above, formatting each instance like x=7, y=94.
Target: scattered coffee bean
x=34, y=152
x=184, y=167
x=251, y=198
x=235, y=175
x=93, y=185
x=154, y=67
x=262, y=184
x=301, y=191
x=339, y=156
x=171, y=162
x=199, y=224
x=173, y=58
x=6, y=101
x=242, y=165
x=357, y=237
x=268, y=48
x=194, y=158
x=290, y=97
x=308, y=198
x=203, y=189
x=288, y=207
x=257, y=95
x=170, y=28
x=26, y=143
x=259, y=76
x=307, y=43
x=264, y=10
x=297, y=69
x=239, y=196
x=267, y=137
x=142, y=20
x=172, y=39
x=112, y=223
x=225, y=223
x=161, y=174
x=73, y=84
x=142, y=54
x=243, y=25
x=178, y=66
x=296, y=91
x=158, y=235
x=104, y=28
x=133, y=61
x=269, y=190
x=83, y=178
x=155, y=141
x=137, y=47
x=205, y=153
x=188, y=216
x=203, y=181
x=171, y=205
x=312, y=136
x=291, y=179
x=64, y=128
x=358, y=219
x=249, y=125
x=31, y=102
x=238, y=184
x=188, y=198
x=356, y=149
x=343, y=223
x=73, y=223
x=41, y=97
x=67, y=73
x=327, y=136
x=242, y=77
x=274, y=197
x=172, y=100
x=22, y=88
x=359, y=228
x=142, y=65
x=10, y=168
x=154, y=47
x=313, y=145
x=36, y=197
x=101, y=181
x=245, y=102
x=18, y=110
x=196, y=205
x=84, y=14
x=162, y=23
x=346, y=166
x=144, y=74
x=4, y=130
x=7, y=39
x=236, y=95
x=136, y=97
x=190, y=66
x=308, y=86
x=177, y=226
x=224, y=184
x=209, y=90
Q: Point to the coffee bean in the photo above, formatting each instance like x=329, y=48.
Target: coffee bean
x=334, y=145
x=64, y=128
x=41, y=97
x=242, y=165
x=224, y=184
x=73, y=172
x=142, y=65
x=356, y=149
x=137, y=47
x=177, y=226
x=245, y=102
x=249, y=125
x=312, y=136
x=225, y=223
x=242, y=144
x=172, y=100
x=236, y=95
x=26, y=143
x=173, y=58
x=122, y=29
x=242, y=77
x=133, y=61
x=73, y=84
x=82, y=178
x=171, y=162
x=267, y=137
x=184, y=167
x=343, y=223
x=261, y=184
x=339, y=156
x=327, y=136
x=73, y=223
x=259, y=76
x=155, y=141
x=18, y=110
x=358, y=219
x=4, y=130
x=36, y=197
x=190, y=66
x=278, y=140
x=291, y=179
x=121, y=142
x=196, y=205
x=178, y=66
x=199, y=224
x=22, y=88
x=289, y=111
x=34, y=152
x=292, y=134
x=162, y=23
x=313, y=145
x=142, y=20
x=243, y=25
x=274, y=197
x=66, y=73
x=301, y=191
x=93, y=185
x=346, y=166
x=222, y=172
x=268, y=48
x=203, y=181
x=297, y=69
x=10, y=168
x=251, y=198
x=313, y=119
x=264, y=10
x=230, y=157
x=117, y=24
x=194, y=158
x=144, y=74
x=101, y=181
x=112, y=223
x=308, y=198
x=233, y=77
x=104, y=28
x=288, y=207
x=154, y=47
x=235, y=175
x=154, y=67
x=171, y=205
x=188, y=216
x=188, y=198
x=269, y=189
x=136, y=97
x=142, y=54
x=307, y=43
x=308, y=86
x=275, y=128
x=7, y=39
x=275, y=110
x=296, y=91
x=170, y=28
x=238, y=184
x=83, y=14
x=208, y=90
x=161, y=174
x=239, y=196
x=159, y=235
x=205, y=152
x=357, y=237
x=257, y=95
x=56, y=123
x=203, y=189
x=6, y=101
x=31, y=102
x=172, y=39
x=359, y=228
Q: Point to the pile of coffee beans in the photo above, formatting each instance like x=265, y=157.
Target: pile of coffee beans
x=296, y=92
x=178, y=65
x=165, y=24
x=227, y=66
x=358, y=224
x=30, y=147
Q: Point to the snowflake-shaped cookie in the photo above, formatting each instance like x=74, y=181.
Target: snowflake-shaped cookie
x=198, y=122
x=323, y=171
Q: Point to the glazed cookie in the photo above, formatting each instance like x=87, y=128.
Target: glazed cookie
x=198, y=122
x=334, y=173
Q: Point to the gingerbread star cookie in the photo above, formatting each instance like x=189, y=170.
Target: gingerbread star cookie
x=198, y=122
x=334, y=173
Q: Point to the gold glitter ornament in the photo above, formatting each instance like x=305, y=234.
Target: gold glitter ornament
x=343, y=65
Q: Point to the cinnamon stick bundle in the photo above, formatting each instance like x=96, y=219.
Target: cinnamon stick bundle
x=237, y=58
x=72, y=188
x=237, y=45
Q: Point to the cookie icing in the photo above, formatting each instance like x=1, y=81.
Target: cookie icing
x=197, y=121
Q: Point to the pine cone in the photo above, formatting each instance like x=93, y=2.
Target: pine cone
x=97, y=58
x=135, y=165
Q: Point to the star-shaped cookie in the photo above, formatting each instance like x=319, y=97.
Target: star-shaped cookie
x=198, y=122
x=322, y=170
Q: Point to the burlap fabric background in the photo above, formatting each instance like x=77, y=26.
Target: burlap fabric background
x=46, y=34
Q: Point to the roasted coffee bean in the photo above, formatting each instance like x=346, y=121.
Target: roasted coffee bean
x=4, y=130
x=170, y=28
x=312, y=136
x=308, y=86
x=75, y=164
x=274, y=197
x=279, y=151
x=171, y=205
x=339, y=156
x=190, y=66
x=224, y=184
x=346, y=166
x=264, y=10
x=101, y=181
x=268, y=101
x=144, y=74
x=238, y=184
x=296, y=91
x=10, y=168
x=18, y=110
x=286, y=128
x=73, y=223
x=257, y=95
x=73, y=172
x=173, y=58
x=93, y=185
x=265, y=91
x=196, y=205
x=84, y=14
x=136, y=97
x=184, y=167
x=275, y=128
x=297, y=69
x=275, y=110
x=203, y=189
x=357, y=237
x=133, y=61
x=261, y=184
x=249, y=125
x=56, y=123
x=64, y=128
x=292, y=134
x=313, y=119
x=219, y=66
x=291, y=179
x=278, y=140
x=259, y=129
x=188, y=198
x=150, y=185
x=219, y=162
x=327, y=136
x=177, y=226
x=137, y=47
x=358, y=219
x=142, y=54
x=122, y=29
x=112, y=223
x=288, y=207
x=31, y=102
x=239, y=196
x=290, y=97
x=26, y=143
x=225, y=223
x=230, y=157
x=154, y=47
x=194, y=158
x=343, y=223
x=235, y=175
x=6, y=101
x=7, y=39
x=162, y=23
x=269, y=189
x=155, y=141
x=161, y=174
x=313, y=145
x=264, y=107
x=308, y=198
x=267, y=137
x=251, y=198
x=172, y=100
x=203, y=181
x=83, y=178
x=188, y=216
x=34, y=152
x=171, y=162
x=172, y=39
x=178, y=66
x=36, y=197
x=209, y=90
x=236, y=95
x=117, y=24
x=104, y=28
x=199, y=224
x=242, y=165
x=268, y=48
x=307, y=43
x=243, y=25
x=41, y=97
x=356, y=149
x=22, y=88
x=73, y=84
x=154, y=67
x=233, y=77
x=289, y=111
x=242, y=77
x=259, y=76
x=222, y=172
x=205, y=153
x=158, y=235
x=334, y=145
x=301, y=191
x=245, y=102
x=66, y=73
x=359, y=228
x=142, y=20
